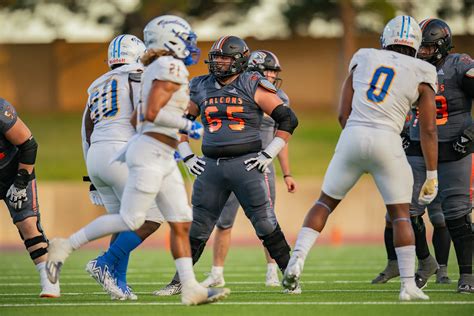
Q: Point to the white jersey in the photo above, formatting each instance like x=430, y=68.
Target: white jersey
x=385, y=87
x=165, y=68
x=110, y=104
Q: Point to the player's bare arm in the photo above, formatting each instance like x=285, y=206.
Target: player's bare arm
x=88, y=125
x=284, y=160
x=345, y=103
x=428, y=131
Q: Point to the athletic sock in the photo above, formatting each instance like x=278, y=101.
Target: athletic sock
x=422, y=250
x=306, y=239
x=441, y=244
x=461, y=234
x=216, y=270
x=119, y=252
x=389, y=246
x=406, y=264
x=184, y=266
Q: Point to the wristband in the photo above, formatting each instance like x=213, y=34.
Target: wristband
x=287, y=175
x=431, y=174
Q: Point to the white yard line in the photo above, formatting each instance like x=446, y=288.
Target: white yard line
x=122, y=304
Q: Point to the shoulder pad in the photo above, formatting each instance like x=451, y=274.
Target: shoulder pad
x=264, y=83
x=135, y=76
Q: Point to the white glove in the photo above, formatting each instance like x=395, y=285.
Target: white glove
x=261, y=162
x=16, y=196
x=429, y=190
x=195, y=164
x=94, y=196
x=265, y=157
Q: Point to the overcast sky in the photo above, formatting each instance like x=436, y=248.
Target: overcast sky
x=265, y=21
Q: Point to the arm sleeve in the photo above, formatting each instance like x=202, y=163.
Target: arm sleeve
x=8, y=116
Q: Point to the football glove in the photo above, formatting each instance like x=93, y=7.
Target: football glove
x=429, y=190
x=195, y=164
x=461, y=145
x=261, y=162
x=405, y=140
x=94, y=196
x=194, y=130
x=17, y=194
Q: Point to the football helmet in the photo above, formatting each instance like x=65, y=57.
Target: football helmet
x=228, y=46
x=125, y=49
x=402, y=30
x=173, y=34
x=261, y=60
x=436, y=38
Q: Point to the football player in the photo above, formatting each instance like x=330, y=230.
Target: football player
x=154, y=176
x=18, y=150
x=381, y=88
x=454, y=123
x=231, y=103
x=268, y=65
x=106, y=129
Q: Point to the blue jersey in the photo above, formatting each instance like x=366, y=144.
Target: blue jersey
x=8, y=118
x=230, y=115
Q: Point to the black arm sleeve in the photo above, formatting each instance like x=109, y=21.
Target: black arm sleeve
x=27, y=151
x=285, y=118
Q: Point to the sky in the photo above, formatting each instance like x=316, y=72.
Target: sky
x=21, y=27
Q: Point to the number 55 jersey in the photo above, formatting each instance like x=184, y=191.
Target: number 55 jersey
x=385, y=87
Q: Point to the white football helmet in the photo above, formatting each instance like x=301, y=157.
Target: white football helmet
x=174, y=34
x=125, y=49
x=402, y=30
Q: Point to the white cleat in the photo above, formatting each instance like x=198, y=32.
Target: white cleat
x=410, y=293
x=58, y=251
x=296, y=291
x=100, y=272
x=173, y=288
x=292, y=273
x=271, y=278
x=197, y=294
x=213, y=280
x=49, y=290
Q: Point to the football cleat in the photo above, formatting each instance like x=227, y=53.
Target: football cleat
x=271, y=278
x=213, y=280
x=292, y=273
x=426, y=268
x=49, y=290
x=296, y=291
x=411, y=292
x=58, y=251
x=196, y=294
x=466, y=284
x=127, y=292
x=390, y=272
x=173, y=288
x=100, y=272
x=442, y=275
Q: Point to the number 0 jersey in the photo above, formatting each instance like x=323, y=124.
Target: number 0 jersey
x=385, y=87
x=165, y=68
x=453, y=105
x=110, y=103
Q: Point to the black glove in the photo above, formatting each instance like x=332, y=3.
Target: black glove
x=462, y=144
x=405, y=140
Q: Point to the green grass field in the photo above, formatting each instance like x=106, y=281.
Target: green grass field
x=335, y=282
x=60, y=151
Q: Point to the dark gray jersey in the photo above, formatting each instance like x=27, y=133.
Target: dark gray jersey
x=267, y=129
x=229, y=113
x=453, y=113
x=8, y=118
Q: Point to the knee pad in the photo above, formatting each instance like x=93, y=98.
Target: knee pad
x=276, y=243
x=197, y=248
x=437, y=220
x=264, y=227
x=459, y=226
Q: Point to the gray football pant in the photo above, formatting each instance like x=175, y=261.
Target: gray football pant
x=212, y=189
x=229, y=213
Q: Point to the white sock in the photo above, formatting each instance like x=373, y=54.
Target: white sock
x=272, y=267
x=100, y=227
x=216, y=270
x=306, y=239
x=184, y=266
x=41, y=268
x=406, y=264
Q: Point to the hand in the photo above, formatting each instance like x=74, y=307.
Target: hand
x=261, y=162
x=428, y=192
x=94, y=196
x=290, y=183
x=405, y=140
x=194, y=130
x=461, y=145
x=195, y=165
x=16, y=196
